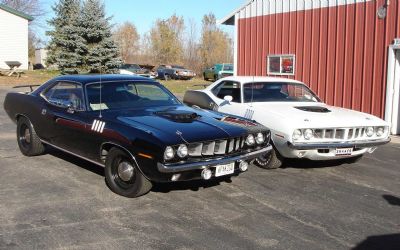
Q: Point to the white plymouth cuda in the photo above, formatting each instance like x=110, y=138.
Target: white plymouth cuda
x=301, y=125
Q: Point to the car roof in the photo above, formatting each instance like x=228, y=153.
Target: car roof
x=246, y=79
x=89, y=78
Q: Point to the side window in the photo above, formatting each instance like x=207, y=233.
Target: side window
x=228, y=88
x=151, y=92
x=64, y=94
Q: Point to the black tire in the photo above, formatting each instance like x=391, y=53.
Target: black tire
x=135, y=186
x=167, y=77
x=215, y=78
x=204, y=76
x=271, y=160
x=28, y=141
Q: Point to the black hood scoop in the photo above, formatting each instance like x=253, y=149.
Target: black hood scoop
x=316, y=109
x=178, y=115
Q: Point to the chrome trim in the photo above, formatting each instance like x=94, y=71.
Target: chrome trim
x=178, y=167
x=69, y=152
x=360, y=144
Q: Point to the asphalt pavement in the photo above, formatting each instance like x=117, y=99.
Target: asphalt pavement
x=57, y=201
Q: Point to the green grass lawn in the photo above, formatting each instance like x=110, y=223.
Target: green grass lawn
x=177, y=87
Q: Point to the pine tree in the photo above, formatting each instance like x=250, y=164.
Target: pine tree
x=102, y=53
x=66, y=47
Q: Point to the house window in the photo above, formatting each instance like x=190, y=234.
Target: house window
x=281, y=64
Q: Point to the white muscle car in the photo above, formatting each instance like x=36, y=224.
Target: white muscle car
x=301, y=125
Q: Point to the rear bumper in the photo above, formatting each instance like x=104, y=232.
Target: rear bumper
x=355, y=144
x=175, y=168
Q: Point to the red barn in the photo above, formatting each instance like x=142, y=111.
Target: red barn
x=347, y=51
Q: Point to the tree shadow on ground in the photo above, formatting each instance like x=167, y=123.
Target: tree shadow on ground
x=387, y=242
x=392, y=200
x=87, y=165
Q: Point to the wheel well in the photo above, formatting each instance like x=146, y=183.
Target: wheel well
x=107, y=146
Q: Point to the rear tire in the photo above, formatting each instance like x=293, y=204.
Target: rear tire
x=28, y=141
x=204, y=76
x=271, y=160
x=123, y=176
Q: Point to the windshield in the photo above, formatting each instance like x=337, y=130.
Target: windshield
x=278, y=92
x=130, y=67
x=128, y=94
x=228, y=67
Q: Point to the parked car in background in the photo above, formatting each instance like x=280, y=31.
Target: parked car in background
x=175, y=72
x=218, y=71
x=136, y=69
x=135, y=128
x=302, y=126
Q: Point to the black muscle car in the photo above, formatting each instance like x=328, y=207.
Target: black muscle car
x=135, y=128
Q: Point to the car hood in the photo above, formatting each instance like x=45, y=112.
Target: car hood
x=180, y=124
x=316, y=115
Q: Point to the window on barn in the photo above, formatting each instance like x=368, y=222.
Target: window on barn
x=281, y=64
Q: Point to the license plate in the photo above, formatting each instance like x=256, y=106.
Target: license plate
x=225, y=169
x=344, y=151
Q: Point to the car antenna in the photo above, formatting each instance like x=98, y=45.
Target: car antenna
x=252, y=92
x=101, y=103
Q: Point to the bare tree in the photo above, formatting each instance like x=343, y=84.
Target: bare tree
x=191, y=46
x=166, y=40
x=215, y=44
x=127, y=39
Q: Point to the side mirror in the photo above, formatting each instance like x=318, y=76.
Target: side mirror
x=70, y=108
x=228, y=98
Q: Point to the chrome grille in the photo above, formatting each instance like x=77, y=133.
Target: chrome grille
x=339, y=133
x=219, y=147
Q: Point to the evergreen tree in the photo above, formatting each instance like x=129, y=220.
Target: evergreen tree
x=102, y=52
x=66, y=47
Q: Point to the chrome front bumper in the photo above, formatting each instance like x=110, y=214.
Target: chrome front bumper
x=354, y=144
x=179, y=167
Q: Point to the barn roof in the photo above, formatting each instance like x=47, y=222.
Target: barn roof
x=230, y=19
x=16, y=12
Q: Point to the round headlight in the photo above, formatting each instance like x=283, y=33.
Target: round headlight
x=370, y=131
x=260, y=138
x=296, y=134
x=250, y=140
x=169, y=153
x=380, y=131
x=308, y=134
x=182, y=151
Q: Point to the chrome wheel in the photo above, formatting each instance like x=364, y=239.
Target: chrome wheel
x=24, y=136
x=125, y=171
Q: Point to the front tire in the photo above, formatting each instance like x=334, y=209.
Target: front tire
x=28, y=141
x=271, y=160
x=123, y=176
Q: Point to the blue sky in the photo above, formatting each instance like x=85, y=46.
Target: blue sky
x=143, y=13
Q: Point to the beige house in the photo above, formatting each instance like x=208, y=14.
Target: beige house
x=13, y=36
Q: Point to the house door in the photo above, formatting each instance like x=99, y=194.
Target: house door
x=396, y=103
x=392, y=114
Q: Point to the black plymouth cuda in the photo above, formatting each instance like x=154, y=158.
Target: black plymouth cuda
x=135, y=128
